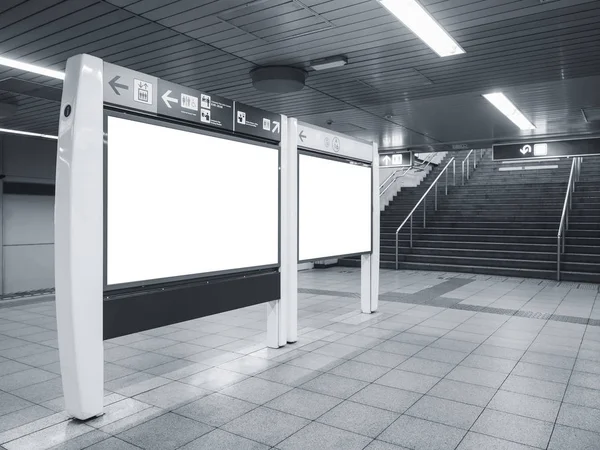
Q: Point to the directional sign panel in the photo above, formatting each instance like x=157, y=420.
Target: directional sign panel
x=257, y=122
x=326, y=141
x=129, y=88
x=552, y=149
x=399, y=159
x=184, y=103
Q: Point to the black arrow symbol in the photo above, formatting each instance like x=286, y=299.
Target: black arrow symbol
x=302, y=136
x=114, y=85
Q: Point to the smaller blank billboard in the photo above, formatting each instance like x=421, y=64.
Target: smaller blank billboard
x=334, y=208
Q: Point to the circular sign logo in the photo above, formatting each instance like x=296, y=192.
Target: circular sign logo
x=327, y=142
x=336, y=144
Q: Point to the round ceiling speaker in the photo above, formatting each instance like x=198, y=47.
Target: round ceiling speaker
x=278, y=79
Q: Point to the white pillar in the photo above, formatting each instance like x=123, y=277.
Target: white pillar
x=369, y=277
x=79, y=237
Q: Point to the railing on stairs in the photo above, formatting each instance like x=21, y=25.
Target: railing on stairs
x=424, y=201
x=563, y=227
x=400, y=173
x=468, y=161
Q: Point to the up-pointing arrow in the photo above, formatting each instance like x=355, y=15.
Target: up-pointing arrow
x=387, y=160
x=168, y=99
x=114, y=85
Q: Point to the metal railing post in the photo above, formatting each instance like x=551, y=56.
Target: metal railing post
x=411, y=217
x=425, y=211
x=436, y=197
x=558, y=258
x=454, y=168
x=446, y=182
x=463, y=173
x=396, y=250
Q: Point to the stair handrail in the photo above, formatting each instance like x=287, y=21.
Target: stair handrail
x=563, y=226
x=467, y=160
x=423, y=200
x=425, y=163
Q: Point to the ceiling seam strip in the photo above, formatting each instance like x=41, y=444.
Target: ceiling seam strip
x=425, y=135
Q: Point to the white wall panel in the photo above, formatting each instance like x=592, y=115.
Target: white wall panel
x=28, y=219
x=28, y=267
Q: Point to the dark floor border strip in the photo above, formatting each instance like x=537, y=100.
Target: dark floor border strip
x=476, y=308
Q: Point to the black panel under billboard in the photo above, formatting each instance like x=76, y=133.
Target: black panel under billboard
x=133, y=312
x=257, y=122
x=549, y=149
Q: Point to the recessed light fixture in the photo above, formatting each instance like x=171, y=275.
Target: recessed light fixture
x=31, y=68
x=329, y=63
x=27, y=133
x=506, y=107
x=418, y=20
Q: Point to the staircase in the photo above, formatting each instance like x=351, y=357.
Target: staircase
x=581, y=260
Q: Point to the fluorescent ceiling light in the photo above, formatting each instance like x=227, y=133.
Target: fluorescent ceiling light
x=31, y=68
x=414, y=16
x=329, y=63
x=506, y=107
x=27, y=133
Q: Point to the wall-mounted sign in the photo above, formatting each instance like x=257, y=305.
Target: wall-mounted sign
x=257, y=122
x=550, y=149
x=398, y=159
x=315, y=138
x=184, y=103
x=125, y=87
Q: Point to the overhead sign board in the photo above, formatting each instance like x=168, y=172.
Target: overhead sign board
x=257, y=122
x=184, y=103
x=325, y=141
x=125, y=87
x=550, y=149
x=397, y=159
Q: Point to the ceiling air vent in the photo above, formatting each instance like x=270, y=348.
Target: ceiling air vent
x=591, y=114
x=18, y=86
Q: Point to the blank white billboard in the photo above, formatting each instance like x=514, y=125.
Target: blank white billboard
x=335, y=212
x=180, y=203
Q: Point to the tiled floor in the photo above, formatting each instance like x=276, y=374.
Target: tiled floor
x=449, y=362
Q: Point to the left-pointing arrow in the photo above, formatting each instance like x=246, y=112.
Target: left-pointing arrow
x=168, y=99
x=114, y=85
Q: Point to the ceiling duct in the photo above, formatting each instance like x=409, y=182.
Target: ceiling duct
x=591, y=114
x=278, y=79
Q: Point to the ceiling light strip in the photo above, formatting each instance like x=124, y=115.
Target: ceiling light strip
x=31, y=68
x=420, y=22
x=506, y=107
x=27, y=133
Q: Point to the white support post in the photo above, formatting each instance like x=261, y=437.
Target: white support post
x=369, y=295
x=278, y=310
x=289, y=228
x=79, y=237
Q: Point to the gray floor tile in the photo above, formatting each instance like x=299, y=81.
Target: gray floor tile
x=442, y=355
x=463, y=392
x=266, y=425
x=167, y=432
x=8, y=366
x=82, y=441
x=135, y=384
x=567, y=438
x=172, y=395
x=216, y=409
x=178, y=369
x=426, y=367
x=33, y=427
x=408, y=381
x=480, y=377
x=525, y=405
x=419, y=434
x=222, y=440
x=537, y=388
x=24, y=378
x=448, y=412
x=416, y=339
x=334, y=385
x=22, y=416
x=248, y=365
x=112, y=444
x=214, y=379
x=359, y=418
x=10, y=403
x=384, y=397
x=290, y=375
x=49, y=437
x=476, y=441
x=451, y=344
x=561, y=362
x=583, y=365
x=41, y=392
x=360, y=371
x=380, y=445
x=499, y=365
x=303, y=403
x=515, y=428
x=400, y=348
x=384, y=359
x=499, y=352
x=323, y=437
x=132, y=420
x=256, y=390
x=586, y=380
x=144, y=361
x=339, y=350
x=580, y=417
x=118, y=411
x=315, y=361
x=540, y=372
x=582, y=396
